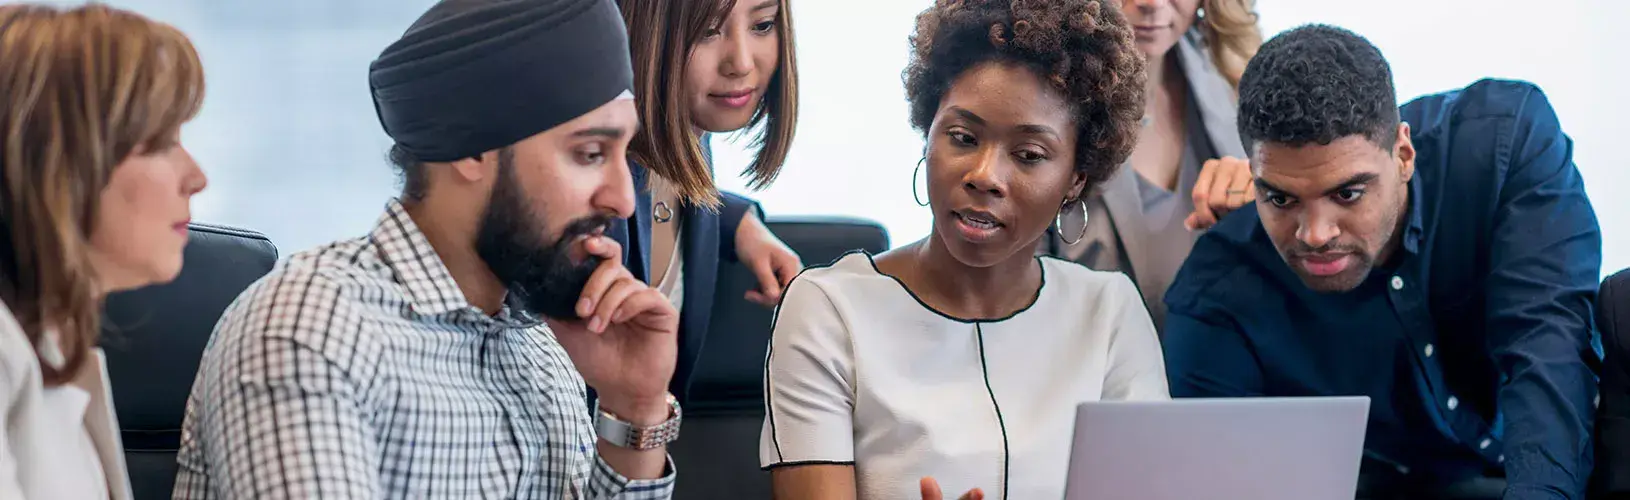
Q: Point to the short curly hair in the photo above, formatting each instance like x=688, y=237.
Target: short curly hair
x=1084, y=47
x=1316, y=84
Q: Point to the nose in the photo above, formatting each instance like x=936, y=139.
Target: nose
x=737, y=60
x=1146, y=6
x=616, y=193
x=1317, y=227
x=988, y=174
x=193, y=179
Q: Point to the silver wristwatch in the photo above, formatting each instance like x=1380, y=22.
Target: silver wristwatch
x=626, y=435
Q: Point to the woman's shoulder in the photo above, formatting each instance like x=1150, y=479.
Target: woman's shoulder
x=850, y=268
x=1086, y=285
x=17, y=359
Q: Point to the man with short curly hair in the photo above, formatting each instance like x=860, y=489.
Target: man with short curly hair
x=1440, y=258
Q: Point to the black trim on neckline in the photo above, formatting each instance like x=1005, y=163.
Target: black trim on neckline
x=1033, y=299
x=984, y=371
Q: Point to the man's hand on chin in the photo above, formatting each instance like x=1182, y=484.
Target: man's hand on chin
x=627, y=340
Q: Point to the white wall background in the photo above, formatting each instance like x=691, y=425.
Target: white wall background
x=289, y=137
x=855, y=149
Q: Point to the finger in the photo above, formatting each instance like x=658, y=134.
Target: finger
x=930, y=489
x=1192, y=222
x=758, y=298
x=1202, y=185
x=973, y=494
x=789, y=268
x=1239, y=188
x=608, y=304
x=650, y=308
x=604, y=248
x=608, y=273
x=1220, y=182
x=764, y=269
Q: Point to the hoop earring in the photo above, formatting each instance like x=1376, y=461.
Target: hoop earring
x=1059, y=220
x=914, y=195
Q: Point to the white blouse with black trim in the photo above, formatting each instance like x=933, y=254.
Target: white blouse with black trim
x=862, y=372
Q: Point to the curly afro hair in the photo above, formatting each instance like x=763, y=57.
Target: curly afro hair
x=1316, y=84
x=1084, y=47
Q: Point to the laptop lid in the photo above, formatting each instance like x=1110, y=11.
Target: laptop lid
x=1222, y=449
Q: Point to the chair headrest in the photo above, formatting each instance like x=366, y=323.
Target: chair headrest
x=153, y=337
x=729, y=375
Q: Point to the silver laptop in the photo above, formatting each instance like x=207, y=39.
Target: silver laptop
x=1218, y=449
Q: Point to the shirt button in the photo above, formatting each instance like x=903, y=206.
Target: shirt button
x=1453, y=402
x=1485, y=444
x=1429, y=350
x=1397, y=283
x=1403, y=470
x=1501, y=459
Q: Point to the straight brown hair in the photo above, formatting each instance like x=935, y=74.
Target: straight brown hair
x=81, y=89
x=661, y=34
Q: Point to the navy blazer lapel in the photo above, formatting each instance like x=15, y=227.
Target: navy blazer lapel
x=700, y=255
x=637, y=229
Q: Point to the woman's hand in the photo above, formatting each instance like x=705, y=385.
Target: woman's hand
x=772, y=262
x=1225, y=184
x=931, y=491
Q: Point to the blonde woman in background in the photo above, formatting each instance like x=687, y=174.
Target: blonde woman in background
x=94, y=192
x=1186, y=171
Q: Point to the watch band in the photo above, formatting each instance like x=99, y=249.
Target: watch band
x=623, y=434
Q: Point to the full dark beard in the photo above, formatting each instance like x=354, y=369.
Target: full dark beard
x=542, y=275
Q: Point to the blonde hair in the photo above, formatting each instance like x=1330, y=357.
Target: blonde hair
x=81, y=89
x=1231, y=32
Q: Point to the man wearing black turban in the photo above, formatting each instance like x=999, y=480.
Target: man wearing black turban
x=445, y=354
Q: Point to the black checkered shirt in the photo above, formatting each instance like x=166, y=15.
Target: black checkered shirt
x=358, y=370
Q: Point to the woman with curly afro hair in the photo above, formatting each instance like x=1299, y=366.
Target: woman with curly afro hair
x=961, y=357
x=1188, y=168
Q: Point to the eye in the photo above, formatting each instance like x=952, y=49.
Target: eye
x=1029, y=157
x=961, y=138
x=589, y=155
x=1348, y=196
x=764, y=27
x=1278, y=200
x=710, y=33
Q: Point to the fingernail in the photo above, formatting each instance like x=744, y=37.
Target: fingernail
x=594, y=324
x=584, y=306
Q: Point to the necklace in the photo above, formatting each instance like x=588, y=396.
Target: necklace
x=661, y=213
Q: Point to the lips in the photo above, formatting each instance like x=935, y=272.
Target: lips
x=733, y=99
x=1326, y=264
x=977, y=225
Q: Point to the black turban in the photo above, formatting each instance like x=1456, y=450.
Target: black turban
x=471, y=76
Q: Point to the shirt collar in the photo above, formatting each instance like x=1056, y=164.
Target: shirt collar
x=431, y=289
x=1413, y=232
x=414, y=264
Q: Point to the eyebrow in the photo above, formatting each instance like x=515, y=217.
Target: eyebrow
x=968, y=115
x=1039, y=130
x=770, y=4
x=1356, y=179
x=602, y=132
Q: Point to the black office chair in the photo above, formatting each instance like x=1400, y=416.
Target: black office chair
x=153, y=338
x=717, y=450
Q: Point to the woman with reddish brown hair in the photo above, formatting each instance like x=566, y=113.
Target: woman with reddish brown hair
x=94, y=193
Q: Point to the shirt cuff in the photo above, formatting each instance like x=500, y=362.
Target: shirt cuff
x=608, y=484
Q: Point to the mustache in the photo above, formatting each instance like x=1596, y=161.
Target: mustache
x=1300, y=249
x=585, y=226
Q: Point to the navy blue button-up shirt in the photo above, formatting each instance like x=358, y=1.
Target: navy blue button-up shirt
x=1473, y=343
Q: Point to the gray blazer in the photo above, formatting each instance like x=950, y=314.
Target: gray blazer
x=1120, y=240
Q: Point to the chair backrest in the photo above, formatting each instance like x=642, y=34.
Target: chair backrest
x=718, y=444
x=154, y=337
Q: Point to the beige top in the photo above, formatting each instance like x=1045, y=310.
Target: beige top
x=40, y=458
